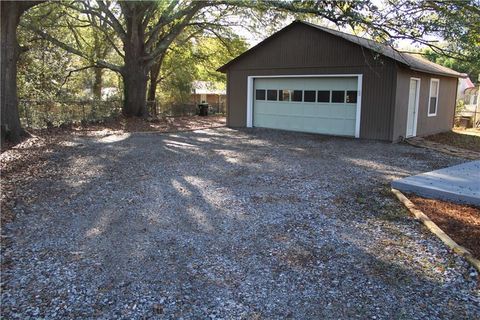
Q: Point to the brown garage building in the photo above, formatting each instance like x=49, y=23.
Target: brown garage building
x=313, y=79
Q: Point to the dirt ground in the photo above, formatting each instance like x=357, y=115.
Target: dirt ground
x=167, y=124
x=121, y=124
x=467, y=131
x=460, y=222
x=118, y=125
x=466, y=139
x=22, y=162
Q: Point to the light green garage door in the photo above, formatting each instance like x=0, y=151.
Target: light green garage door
x=319, y=105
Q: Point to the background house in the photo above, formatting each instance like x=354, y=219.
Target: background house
x=207, y=92
x=463, y=84
x=313, y=79
x=471, y=107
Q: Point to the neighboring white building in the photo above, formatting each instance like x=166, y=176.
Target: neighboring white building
x=463, y=84
x=470, y=95
x=206, y=87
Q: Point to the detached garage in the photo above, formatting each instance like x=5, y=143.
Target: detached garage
x=309, y=78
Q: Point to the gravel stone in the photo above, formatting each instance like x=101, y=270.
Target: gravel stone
x=229, y=224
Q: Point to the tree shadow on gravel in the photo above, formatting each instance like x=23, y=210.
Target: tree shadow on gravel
x=237, y=223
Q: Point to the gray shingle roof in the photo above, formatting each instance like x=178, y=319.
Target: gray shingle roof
x=414, y=62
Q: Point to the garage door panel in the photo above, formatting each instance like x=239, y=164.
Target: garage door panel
x=345, y=126
x=310, y=110
x=277, y=122
x=317, y=117
x=276, y=109
x=343, y=83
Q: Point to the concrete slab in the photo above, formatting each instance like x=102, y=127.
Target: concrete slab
x=460, y=183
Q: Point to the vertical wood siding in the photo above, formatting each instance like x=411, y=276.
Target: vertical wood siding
x=303, y=50
x=443, y=121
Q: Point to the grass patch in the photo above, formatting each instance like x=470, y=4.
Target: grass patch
x=458, y=139
x=382, y=203
x=392, y=213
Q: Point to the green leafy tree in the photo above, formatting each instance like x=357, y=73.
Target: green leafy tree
x=216, y=51
x=469, y=65
x=458, y=24
x=187, y=61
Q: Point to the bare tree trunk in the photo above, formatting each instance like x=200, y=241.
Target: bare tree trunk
x=135, y=89
x=98, y=83
x=134, y=72
x=11, y=128
x=154, y=74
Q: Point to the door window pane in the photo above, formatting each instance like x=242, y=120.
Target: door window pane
x=323, y=96
x=309, y=96
x=272, y=95
x=351, y=96
x=338, y=96
x=297, y=95
x=260, y=94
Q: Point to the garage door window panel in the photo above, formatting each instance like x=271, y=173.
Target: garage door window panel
x=272, y=95
x=309, y=96
x=323, y=96
x=351, y=96
x=297, y=95
x=260, y=94
x=284, y=95
x=338, y=96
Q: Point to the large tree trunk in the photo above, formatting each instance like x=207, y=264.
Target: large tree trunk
x=98, y=83
x=134, y=72
x=135, y=90
x=154, y=74
x=11, y=11
x=11, y=128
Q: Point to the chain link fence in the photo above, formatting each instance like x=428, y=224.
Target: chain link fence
x=39, y=114
x=49, y=113
x=182, y=109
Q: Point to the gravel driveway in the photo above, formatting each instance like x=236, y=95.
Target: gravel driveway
x=229, y=224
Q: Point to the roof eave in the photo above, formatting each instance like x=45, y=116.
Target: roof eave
x=223, y=69
x=444, y=74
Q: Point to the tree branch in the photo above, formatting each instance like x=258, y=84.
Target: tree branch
x=162, y=46
x=116, y=25
x=68, y=48
x=75, y=70
x=186, y=14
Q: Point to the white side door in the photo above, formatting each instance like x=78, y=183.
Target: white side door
x=412, y=112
